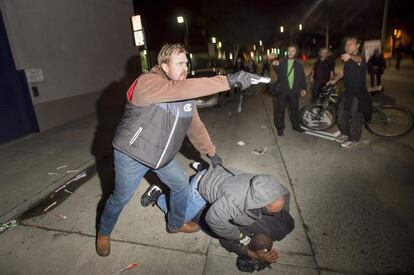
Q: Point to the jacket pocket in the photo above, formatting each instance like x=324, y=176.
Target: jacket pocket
x=134, y=138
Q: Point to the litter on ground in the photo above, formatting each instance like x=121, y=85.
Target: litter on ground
x=72, y=171
x=259, y=150
x=50, y=206
x=7, y=225
x=61, y=216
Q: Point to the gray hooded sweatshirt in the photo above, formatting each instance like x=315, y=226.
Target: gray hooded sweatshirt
x=236, y=200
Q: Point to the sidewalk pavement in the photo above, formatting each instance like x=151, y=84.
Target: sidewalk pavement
x=33, y=166
x=48, y=244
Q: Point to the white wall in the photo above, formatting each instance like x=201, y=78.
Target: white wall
x=81, y=45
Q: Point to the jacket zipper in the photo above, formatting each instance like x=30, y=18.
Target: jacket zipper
x=134, y=138
x=169, y=138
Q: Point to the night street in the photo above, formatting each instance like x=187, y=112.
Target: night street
x=352, y=208
x=276, y=136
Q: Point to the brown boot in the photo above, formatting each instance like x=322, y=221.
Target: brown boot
x=103, y=245
x=188, y=227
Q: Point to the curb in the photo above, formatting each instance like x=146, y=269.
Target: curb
x=53, y=194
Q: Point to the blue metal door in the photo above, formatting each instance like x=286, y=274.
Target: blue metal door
x=17, y=116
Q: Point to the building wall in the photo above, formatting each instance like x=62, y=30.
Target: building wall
x=81, y=46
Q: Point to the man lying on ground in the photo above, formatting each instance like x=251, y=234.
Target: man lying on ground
x=234, y=205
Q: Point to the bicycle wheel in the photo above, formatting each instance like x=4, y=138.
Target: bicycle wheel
x=391, y=121
x=312, y=118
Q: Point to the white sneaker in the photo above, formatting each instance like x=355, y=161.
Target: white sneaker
x=349, y=144
x=341, y=138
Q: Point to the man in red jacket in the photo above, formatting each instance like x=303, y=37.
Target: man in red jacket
x=158, y=115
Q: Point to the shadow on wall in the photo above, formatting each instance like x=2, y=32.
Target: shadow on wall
x=109, y=110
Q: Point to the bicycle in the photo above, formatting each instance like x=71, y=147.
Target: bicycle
x=389, y=120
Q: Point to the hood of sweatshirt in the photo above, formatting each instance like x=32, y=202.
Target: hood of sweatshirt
x=263, y=189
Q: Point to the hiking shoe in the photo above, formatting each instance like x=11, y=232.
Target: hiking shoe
x=349, y=144
x=341, y=138
x=103, y=245
x=187, y=227
x=151, y=195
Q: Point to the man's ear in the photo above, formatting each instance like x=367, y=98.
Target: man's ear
x=165, y=67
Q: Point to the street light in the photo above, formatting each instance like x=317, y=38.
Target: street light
x=181, y=20
x=281, y=28
x=300, y=27
x=260, y=43
x=219, y=45
x=213, y=40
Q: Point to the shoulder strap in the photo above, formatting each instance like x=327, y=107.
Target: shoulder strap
x=291, y=68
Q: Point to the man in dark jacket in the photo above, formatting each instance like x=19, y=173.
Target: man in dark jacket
x=240, y=204
x=323, y=70
x=291, y=84
x=376, y=67
x=355, y=105
x=159, y=113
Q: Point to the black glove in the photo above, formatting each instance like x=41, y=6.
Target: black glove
x=240, y=79
x=247, y=264
x=216, y=160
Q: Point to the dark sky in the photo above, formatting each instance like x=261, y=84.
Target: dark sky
x=246, y=21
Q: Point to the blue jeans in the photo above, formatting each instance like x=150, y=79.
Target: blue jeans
x=128, y=175
x=195, y=201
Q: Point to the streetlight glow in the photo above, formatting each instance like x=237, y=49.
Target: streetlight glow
x=180, y=19
x=254, y=47
x=300, y=27
x=219, y=45
x=213, y=40
x=281, y=29
x=260, y=43
x=231, y=56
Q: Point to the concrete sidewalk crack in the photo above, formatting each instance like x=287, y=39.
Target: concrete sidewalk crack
x=112, y=240
x=293, y=189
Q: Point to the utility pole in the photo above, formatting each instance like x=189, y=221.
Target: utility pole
x=327, y=34
x=327, y=26
x=384, y=26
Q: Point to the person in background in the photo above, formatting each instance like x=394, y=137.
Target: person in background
x=251, y=66
x=355, y=104
x=398, y=57
x=291, y=84
x=323, y=71
x=376, y=66
x=238, y=66
x=266, y=67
